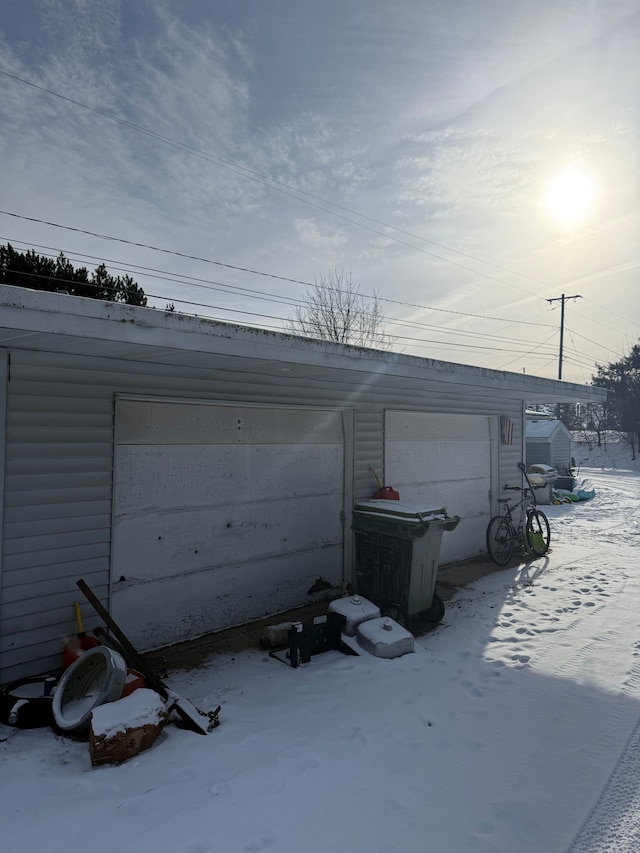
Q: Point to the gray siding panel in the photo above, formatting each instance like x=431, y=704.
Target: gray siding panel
x=4, y=361
x=57, y=505
x=369, y=451
x=59, y=464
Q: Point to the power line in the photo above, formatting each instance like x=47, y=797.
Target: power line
x=250, y=270
x=191, y=281
x=535, y=349
x=163, y=275
x=448, y=343
x=302, y=196
x=289, y=190
x=599, y=321
x=595, y=343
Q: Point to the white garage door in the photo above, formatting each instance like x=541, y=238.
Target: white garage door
x=222, y=514
x=445, y=460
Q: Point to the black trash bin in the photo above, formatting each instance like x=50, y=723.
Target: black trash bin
x=397, y=556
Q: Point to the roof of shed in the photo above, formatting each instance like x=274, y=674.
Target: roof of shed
x=52, y=322
x=544, y=429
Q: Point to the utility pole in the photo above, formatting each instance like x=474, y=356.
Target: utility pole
x=562, y=299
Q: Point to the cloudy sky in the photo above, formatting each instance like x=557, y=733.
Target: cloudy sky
x=465, y=159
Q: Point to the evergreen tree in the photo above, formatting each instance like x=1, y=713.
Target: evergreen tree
x=27, y=269
x=622, y=380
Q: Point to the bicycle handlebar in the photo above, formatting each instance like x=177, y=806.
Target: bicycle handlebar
x=529, y=489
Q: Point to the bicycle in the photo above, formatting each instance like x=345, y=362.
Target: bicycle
x=532, y=533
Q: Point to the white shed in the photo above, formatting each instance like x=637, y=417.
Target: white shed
x=548, y=442
x=199, y=475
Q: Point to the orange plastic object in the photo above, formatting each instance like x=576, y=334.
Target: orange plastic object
x=133, y=681
x=75, y=647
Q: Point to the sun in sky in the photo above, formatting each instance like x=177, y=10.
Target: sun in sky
x=570, y=197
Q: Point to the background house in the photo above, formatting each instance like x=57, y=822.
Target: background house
x=548, y=442
x=199, y=474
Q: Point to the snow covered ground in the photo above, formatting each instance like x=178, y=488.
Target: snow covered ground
x=512, y=729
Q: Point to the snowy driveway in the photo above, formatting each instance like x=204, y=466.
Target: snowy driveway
x=510, y=730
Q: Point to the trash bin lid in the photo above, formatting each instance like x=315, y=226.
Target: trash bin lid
x=403, y=511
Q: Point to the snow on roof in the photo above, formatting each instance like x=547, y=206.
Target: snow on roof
x=542, y=429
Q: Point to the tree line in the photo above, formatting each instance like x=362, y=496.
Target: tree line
x=621, y=412
x=37, y=272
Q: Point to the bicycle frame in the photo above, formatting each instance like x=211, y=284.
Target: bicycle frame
x=524, y=504
x=532, y=532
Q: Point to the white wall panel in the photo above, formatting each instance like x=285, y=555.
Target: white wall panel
x=445, y=461
x=192, y=475
x=204, y=493
x=182, y=607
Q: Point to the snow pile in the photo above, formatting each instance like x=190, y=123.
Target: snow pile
x=140, y=708
x=614, y=452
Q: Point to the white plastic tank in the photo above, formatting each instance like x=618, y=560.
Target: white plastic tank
x=356, y=610
x=384, y=638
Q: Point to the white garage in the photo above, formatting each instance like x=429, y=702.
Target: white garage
x=446, y=460
x=199, y=474
x=222, y=513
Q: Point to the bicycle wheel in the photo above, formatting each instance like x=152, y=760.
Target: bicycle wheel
x=500, y=540
x=537, y=534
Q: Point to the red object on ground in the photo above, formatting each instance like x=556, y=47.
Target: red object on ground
x=74, y=648
x=386, y=493
x=134, y=680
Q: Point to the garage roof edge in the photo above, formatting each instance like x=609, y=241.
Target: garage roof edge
x=29, y=313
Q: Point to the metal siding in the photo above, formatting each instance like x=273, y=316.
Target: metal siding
x=369, y=452
x=561, y=450
x=3, y=414
x=57, y=507
x=538, y=452
x=60, y=425
x=510, y=455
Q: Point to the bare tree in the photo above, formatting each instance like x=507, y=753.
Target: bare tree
x=334, y=309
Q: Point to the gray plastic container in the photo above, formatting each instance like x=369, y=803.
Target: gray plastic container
x=397, y=553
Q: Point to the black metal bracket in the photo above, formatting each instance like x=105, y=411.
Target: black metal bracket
x=317, y=635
